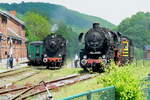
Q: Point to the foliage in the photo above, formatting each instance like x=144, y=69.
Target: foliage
x=138, y=53
x=37, y=27
x=57, y=13
x=71, y=37
x=126, y=84
x=137, y=28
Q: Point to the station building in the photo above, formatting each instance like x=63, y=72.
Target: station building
x=147, y=52
x=12, y=36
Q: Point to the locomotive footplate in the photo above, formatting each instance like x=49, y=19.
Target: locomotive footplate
x=90, y=61
x=47, y=60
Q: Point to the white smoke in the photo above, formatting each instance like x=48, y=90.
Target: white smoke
x=54, y=28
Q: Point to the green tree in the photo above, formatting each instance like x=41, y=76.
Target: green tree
x=37, y=26
x=137, y=28
x=71, y=36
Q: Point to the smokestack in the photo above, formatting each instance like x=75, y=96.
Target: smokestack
x=13, y=12
x=95, y=25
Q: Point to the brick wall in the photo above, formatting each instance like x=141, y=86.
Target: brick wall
x=19, y=50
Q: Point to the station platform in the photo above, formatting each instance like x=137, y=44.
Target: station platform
x=21, y=63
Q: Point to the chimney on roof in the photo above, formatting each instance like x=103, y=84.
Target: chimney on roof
x=13, y=12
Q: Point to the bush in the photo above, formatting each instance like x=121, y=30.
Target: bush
x=126, y=84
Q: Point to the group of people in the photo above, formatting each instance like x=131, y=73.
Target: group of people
x=9, y=61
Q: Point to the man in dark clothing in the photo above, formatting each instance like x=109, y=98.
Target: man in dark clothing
x=8, y=61
x=11, y=62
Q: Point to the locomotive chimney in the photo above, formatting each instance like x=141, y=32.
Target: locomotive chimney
x=95, y=25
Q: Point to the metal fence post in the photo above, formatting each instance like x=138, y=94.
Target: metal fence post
x=89, y=96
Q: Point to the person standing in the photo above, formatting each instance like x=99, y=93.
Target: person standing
x=11, y=61
x=8, y=61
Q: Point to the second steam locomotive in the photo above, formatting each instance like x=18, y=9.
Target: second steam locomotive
x=102, y=46
x=50, y=52
x=54, y=50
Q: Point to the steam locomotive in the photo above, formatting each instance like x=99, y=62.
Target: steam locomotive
x=54, y=52
x=50, y=52
x=101, y=46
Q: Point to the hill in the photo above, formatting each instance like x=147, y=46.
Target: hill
x=57, y=13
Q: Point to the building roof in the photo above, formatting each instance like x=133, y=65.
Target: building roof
x=147, y=47
x=37, y=42
x=8, y=15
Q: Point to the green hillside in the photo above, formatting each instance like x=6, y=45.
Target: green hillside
x=57, y=13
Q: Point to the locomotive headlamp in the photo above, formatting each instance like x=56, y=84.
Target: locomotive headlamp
x=59, y=55
x=85, y=57
x=45, y=55
x=103, y=56
x=45, y=60
x=83, y=61
x=53, y=36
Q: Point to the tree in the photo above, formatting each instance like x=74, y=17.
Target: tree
x=71, y=36
x=137, y=28
x=37, y=26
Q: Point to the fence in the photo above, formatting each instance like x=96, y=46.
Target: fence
x=146, y=88
x=107, y=93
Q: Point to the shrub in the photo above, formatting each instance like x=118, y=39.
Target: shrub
x=127, y=85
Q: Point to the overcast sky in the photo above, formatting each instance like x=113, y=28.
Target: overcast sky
x=111, y=10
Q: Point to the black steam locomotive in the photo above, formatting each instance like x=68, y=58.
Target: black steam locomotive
x=102, y=46
x=54, y=50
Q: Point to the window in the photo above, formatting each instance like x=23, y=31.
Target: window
x=0, y=38
x=19, y=42
x=4, y=19
x=8, y=40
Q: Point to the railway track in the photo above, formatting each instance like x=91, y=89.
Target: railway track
x=25, y=92
x=12, y=77
x=13, y=70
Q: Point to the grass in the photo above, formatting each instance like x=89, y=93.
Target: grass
x=137, y=69
x=76, y=88
x=47, y=75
